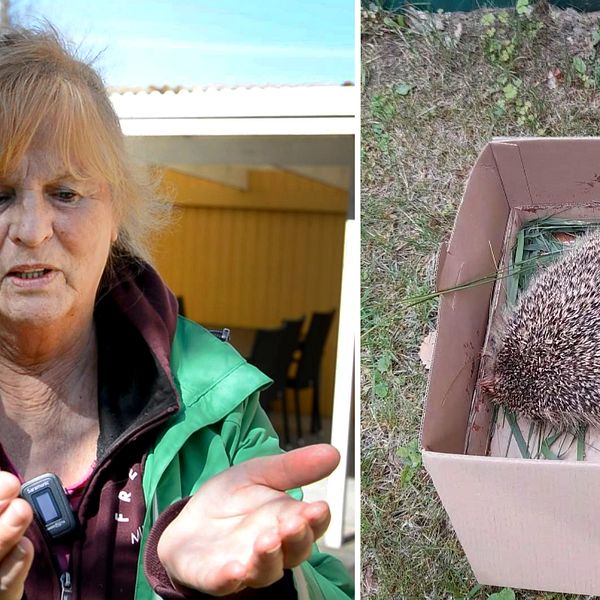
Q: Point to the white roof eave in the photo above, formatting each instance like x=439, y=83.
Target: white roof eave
x=239, y=127
x=297, y=110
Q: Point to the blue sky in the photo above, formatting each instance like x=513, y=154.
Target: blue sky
x=197, y=42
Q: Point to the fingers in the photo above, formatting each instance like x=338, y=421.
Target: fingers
x=300, y=531
x=13, y=522
x=14, y=569
x=9, y=489
x=285, y=544
x=297, y=539
x=293, y=469
x=16, y=552
x=318, y=516
x=289, y=545
x=15, y=513
x=240, y=529
x=267, y=563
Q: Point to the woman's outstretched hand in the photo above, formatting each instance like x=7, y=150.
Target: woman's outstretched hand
x=241, y=529
x=16, y=551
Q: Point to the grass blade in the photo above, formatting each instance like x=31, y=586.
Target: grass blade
x=546, y=452
x=516, y=431
x=581, y=443
x=513, y=281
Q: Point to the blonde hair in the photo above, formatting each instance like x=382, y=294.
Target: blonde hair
x=50, y=96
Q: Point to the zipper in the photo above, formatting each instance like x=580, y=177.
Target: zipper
x=66, y=589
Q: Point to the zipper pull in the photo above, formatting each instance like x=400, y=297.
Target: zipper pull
x=66, y=590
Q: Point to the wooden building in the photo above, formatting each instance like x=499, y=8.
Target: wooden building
x=248, y=258
x=263, y=183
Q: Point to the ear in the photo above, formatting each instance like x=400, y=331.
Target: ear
x=115, y=226
x=114, y=234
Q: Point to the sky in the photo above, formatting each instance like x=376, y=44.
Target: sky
x=197, y=42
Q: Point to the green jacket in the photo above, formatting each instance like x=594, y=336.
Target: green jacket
x=220, y=424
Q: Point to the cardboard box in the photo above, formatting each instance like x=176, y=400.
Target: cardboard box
x=523, y=523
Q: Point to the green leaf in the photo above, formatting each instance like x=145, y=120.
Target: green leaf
x=389, y=22
x=510, y=91
x=403, y=89
x=416, y=459
x=488, y=19
x=579, y=65
x=473, y=592
x=411, y=454
x=522, y=6
x=406, y=475
x=381, y=390
x=505, y=594
x=596, y=36
x=384, y=363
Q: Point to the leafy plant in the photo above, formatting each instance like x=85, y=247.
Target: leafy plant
x=522, y=7
x=383, y=108
x=457, y=593
x=581, y=72
x=506, y=36
x=510, y=91
x=395, y=22
x=403, y=89
x=504, y=594
x=410, y=455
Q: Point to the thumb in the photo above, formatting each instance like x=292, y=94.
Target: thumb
x=293, y=469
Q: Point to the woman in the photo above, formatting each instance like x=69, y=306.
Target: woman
x=150, y=423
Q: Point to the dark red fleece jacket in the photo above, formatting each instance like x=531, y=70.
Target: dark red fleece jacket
x=135, y=324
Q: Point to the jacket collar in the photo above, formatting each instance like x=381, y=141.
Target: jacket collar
x=149, y=305
x=135, y=325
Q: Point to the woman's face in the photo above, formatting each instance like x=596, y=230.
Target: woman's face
x=55, y=238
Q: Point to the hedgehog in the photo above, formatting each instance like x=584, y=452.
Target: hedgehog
x=547, y=364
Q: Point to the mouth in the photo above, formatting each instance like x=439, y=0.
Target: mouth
x=25, y=273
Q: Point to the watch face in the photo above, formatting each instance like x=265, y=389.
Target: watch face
x=46, y=506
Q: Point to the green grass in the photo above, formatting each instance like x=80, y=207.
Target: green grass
x=430, y=104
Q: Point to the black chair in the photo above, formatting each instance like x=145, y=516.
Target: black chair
x=308, y=372
x=180, y=306
x=264, y=356
x=272, y=354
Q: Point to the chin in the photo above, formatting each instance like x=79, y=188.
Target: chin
x=38, y=314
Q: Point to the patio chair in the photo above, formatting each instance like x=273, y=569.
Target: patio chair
x=308, y=372
x=272, y=354
x=180, y=306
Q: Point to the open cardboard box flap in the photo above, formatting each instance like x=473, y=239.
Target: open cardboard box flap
x=522, y=523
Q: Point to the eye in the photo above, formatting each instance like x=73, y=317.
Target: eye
x=6, y=194
x=66, y=195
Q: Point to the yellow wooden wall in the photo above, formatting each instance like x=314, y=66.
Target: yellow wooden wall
x=255, y=257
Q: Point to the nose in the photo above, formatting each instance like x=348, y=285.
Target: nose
x=31, y=219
